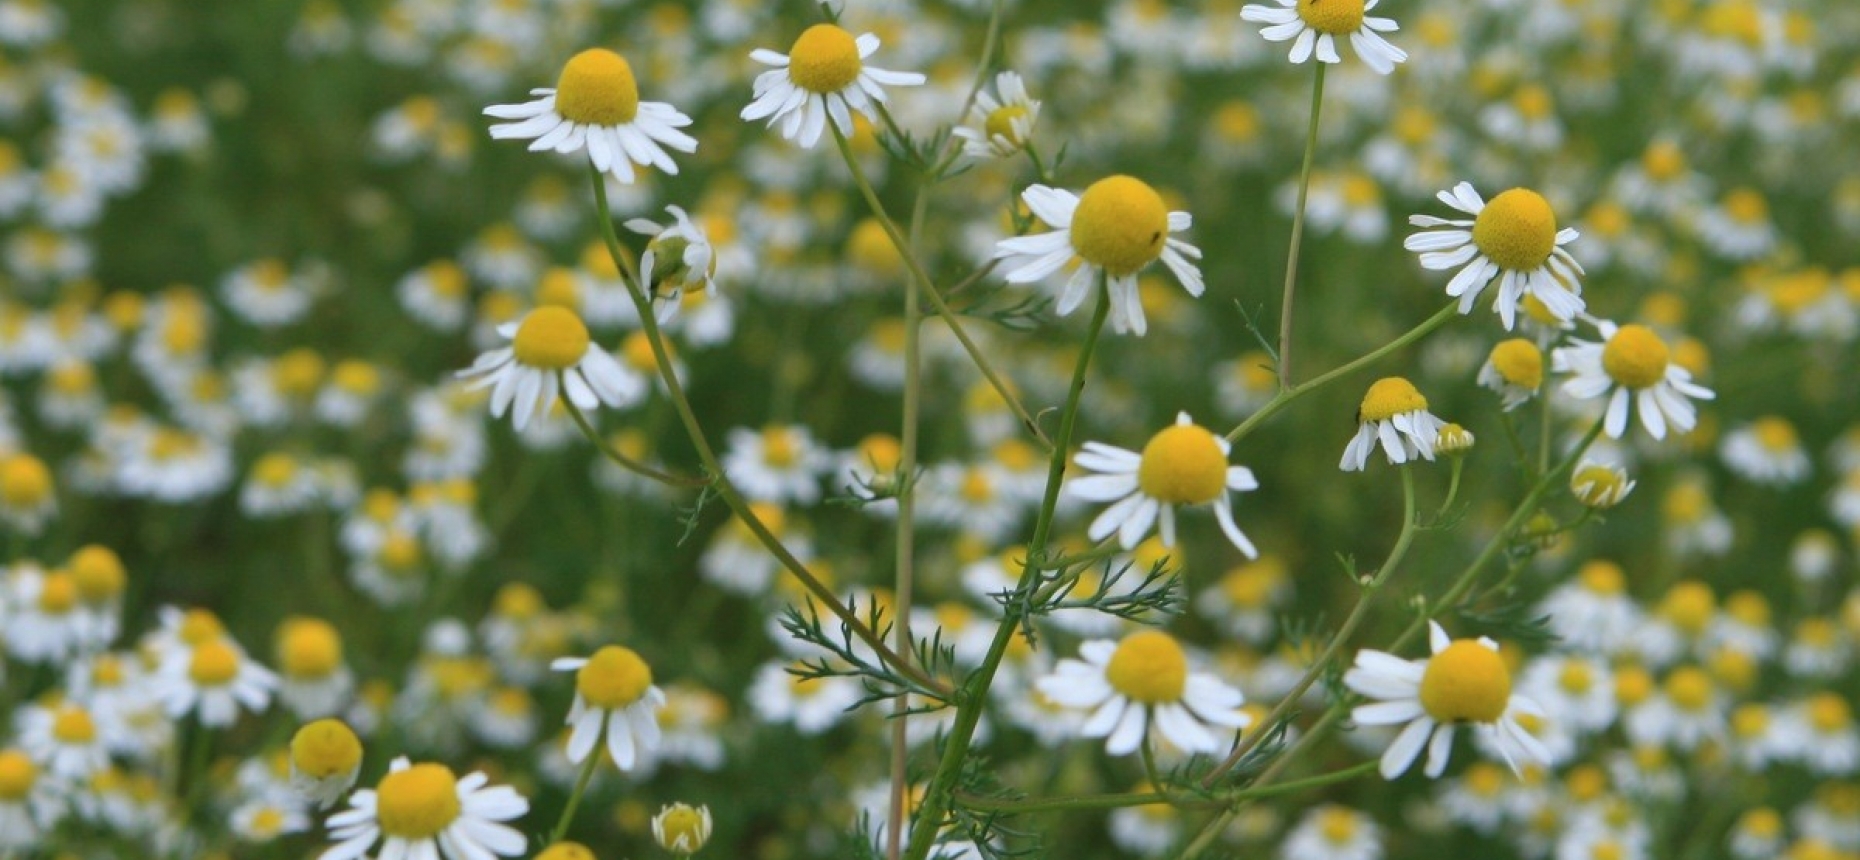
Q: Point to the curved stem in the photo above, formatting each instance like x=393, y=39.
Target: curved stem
x=1285, y=396
x=1298, y=231
x=622, y=460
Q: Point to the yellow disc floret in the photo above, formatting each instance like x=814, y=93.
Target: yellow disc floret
x=98, y=572
x=25, y=482
x=1120, y=224
x=326, y=748
x=681, y=828
x=597, y=88
x=58, y=594
x=824, y=60
x=1689, y=688
x=1635, y=357
x=214, y=664
x=1149, y=667
x=613, y=678
x=418, y=802
x=1776, y=435
x=1516, y=230
x=17, y=775
x=1602, y=577
x=1183, y=465
x=1000, y=123
x=1520, y=362
x=551, y=338
x=309, y=648
x=1466, y=682
x=566, y=851
x=73, y=725
x=1335, y=17
x=1389, y=397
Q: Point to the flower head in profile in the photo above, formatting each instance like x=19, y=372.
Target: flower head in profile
x=1314, y=26
x=1514, y=238
x=425, y=811
x=823, y=77
x=326, y=757
x=1632, y=366
x=595, y=106
x=1598, y=484
x=1184, y=464
x=1393, y=414
x=550, y=354
x=1465, y=682
x=1119, y=226
x=682, y=829
x=1143, y=682
x=1000, y=124
x=1515, y=370
x=614, y=699
x=678, y=257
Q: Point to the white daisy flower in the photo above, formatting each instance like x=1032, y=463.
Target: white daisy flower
x=999, y=127
x=823, y=77
x=1313, y=27
x=64, y=739
x=1118, y=226
x=595, y=106
x=1766, y=451
x=213, y=680
x=1332, y=832
x=1144, y=682
x=1600, y=485
x=31, y=802
x=1393, y=414
x=615, y=699
x=1687, y=710
x=1515, y=370
x=781, y=463
x=1592, y=612
x=813, y=705
x=550, y=353
x=424, y=812
x=1464, y=682
x=326, y=756
x=1513, y=238
x=678, y=258
x=1182, y=465
x=1631, y=365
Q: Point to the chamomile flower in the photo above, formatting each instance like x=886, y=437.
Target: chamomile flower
x=28, y=498
x=31, y=802
x=1116, y=228
x=681, y=829
x=1766, y=451
x=677, y=259
x=1144, y=683
x=550, y=353
x=425, y=811
x=1464, y=682
x=595, y=105
x=63, y=739
x=1184, y=464
x=1393, y=414
x=1332, y=832
x=1600, y=485
x=780, y=463
x=1631, y=366
x=999, y=126
x=1514, y=238
x=213, y=679
x=823, y=77
x=1515, y=370
x=614, y=699
x=1314, y=26
x=314, y=680
x=326, y=756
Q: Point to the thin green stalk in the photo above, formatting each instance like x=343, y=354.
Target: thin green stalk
x=1298, y=230
x=1286, y=395
x=1263, y=786
x=622, y=460
x=907, y=536
x=975, y=691
x=1517, y=446
x=1453, y=486
x=581, y=787
x=725, y=488
x=1543, y=435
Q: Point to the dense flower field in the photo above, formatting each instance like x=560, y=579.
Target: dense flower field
x=577, y=429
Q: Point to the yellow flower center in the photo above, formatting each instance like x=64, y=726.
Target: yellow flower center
x=199, y=626
x=446, y=279
x=518, y=601
x=17, y=775
x=976, y=487
x=1519, y=362
x=1607, y=849
x=98, y=573
x=298, y=373
x=1762, y=822
x=1635, y=357
x=1484, y=779
x=1689, y=688
x=1576, y=677
x=1466, y=682
x=309, y=648
x=1689, y=606
x=781, y=447
x=1120, y=224
x=1516, y=230
x=1252, y=586
x=1389, y=397
x=1828, y=712
x=1338, y=825
x=1336, y=17
x=597, y=88
x=1663, y=161
x=1183, y=465
x=681, y=829
x=73, y=726
x=57, y=594
x=418, y=802
x=25, y=482
x=637, y=350
x=1148, y=667
x=1586, y=783
x=824, y=60
x=326, y=748
x=558, y=288
x=1602, y=577
x=1816, y=633
x=1776, y=435
x=1596, y=484
x=400, y=553
x=214, y=664
x=72, y=378
x=1749, y=608
x=551, y=338
x=274, y=470
x=566, y=851
x=1000, y=123
x=1632, y=685
x=1749, y=721
x=613, y=678
x=1746, y=206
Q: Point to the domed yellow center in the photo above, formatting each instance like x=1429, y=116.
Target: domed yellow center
x=1635, y=357
x=1516, y=230
x=1746, y=206
x=1000, y=123
x=1520, y=362
x=326, y=748
x=58, y=594
x=1336, y=17
x=1828, y=712
x=73, y=726
x=198, y=626
x=274, y=470
x=298, y=373
x=1602, y=577
x=1689, y=606
x=1338, y=825
x=682, y=829
x=1689, y=688
x=597, y=88
x=1148, y=667
x=1465, y=682
x=25, y=482
x=1120, y=224
x=98, y=573
x=566, y=851
x=1775, y=435
x=418, y=802
x=551, y=338
x=400, y=553
x=1597, y=484
x=613, y=678
x=1183, y=465
x=1389, y=397
x=214, y=664
x=1663, y=161
x=310, y=649
x=824, y=60
x=17, y=774
x=781, y=447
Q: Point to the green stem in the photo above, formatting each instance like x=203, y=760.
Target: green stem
x=1517, y=446
x=1285, y=396
x=1298, y=230
x=904, y=582
x=622, y=460
x=1453, y=486
x=581, y=787
x=1543, y=437
x=969, y=711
